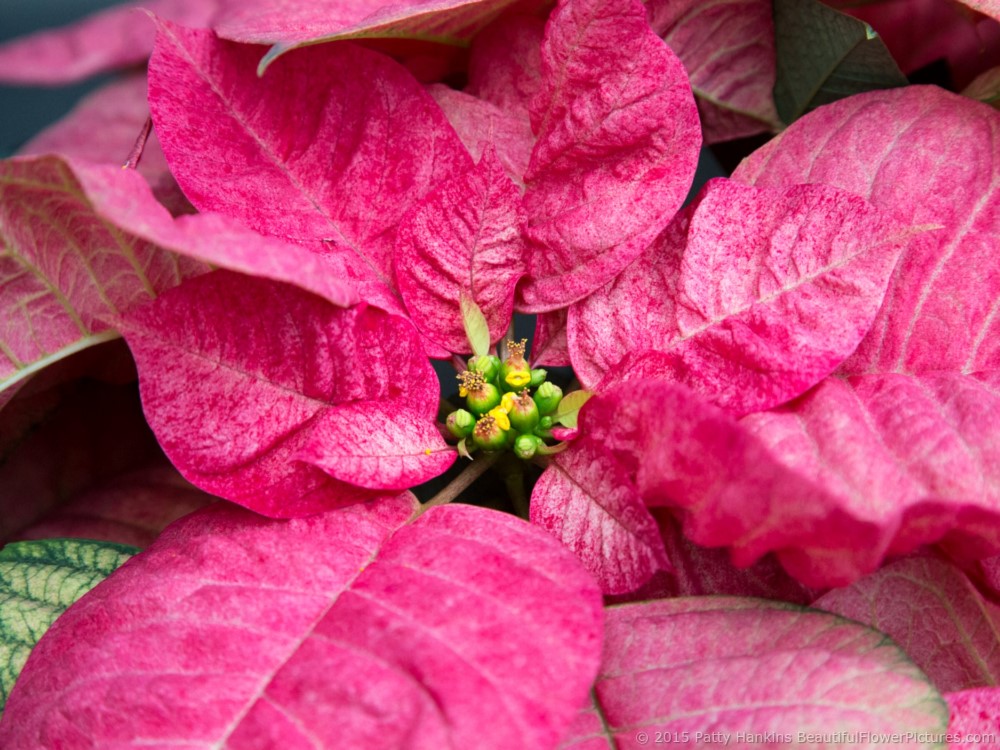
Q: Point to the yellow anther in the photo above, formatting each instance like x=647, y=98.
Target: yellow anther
x=518, y=378
x=507, y=402
x=500, y=417
x=516, y=349
x=469, y=381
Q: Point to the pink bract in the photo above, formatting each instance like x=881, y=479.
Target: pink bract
x=587, y=501
x=67, y=270
x=747, y=673
x=254, y=388
x=113, y=38
x=728, y=51
x=934, y=613
x=931, y=158
x=235, y=630
x=330, y=148
x=752, y=297
x=462, y=239
x=613, y=161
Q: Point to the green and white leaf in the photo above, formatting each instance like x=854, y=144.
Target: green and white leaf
x=39, y=580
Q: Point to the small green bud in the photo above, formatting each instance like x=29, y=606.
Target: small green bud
x=523, y=413
x=460, y=423
x=514, y=371
x=538, y=377
x=479, y=395
x=488, y=435
x=526, y=446
x=488, y=365
x=481, y=401
x=545, y=423
x=548, y=397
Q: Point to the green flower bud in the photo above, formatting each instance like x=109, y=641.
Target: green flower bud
x=548, y=397
x=514, y=371
x=479, y=395
x=460, y=423
x=488, y=435
x=545, y=423
x=488, y=365
x=526, y=446
x=538, y=377
x=523, y=413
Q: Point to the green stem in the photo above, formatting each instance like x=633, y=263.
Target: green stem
x=463, y=481
x=513, y=479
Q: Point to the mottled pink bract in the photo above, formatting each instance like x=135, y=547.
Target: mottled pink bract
x=758, y=673
x=113, y=38
x=586, y=500
x=934, y=613
x=930, y=157
x=975, y=715
x=355, y=628
x=618, y=142
x=751, y=296
x=480, y=123
x=729, y=488
x=273, y=398
x=67, y=271
x=917, y=457
x=331, y=147
x=290, y=24
x=728, y=50
x=464, y=238
x=121, y=199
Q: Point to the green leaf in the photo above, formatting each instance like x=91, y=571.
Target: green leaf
x=824, y=55
x=38, y=582
x=985, y=88
x=568, y=409
x=476, y=328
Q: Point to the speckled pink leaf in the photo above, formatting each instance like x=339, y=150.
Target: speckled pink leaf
x=728, y=488
x=618, y=142
x=549, y=346
x=934, y=613
x=703, y=571
x=113, y=38
x=505, y=64
x=66, y=271
x=933, y=158
x=464, y=238
x=587, y=501
x=480, y=123
x=120, y=198
x=348, y=629
x=292, y=24
x=752, y=296
x=334, y=144
x=131, y=509
x=251, y=385
x=917, y=457
x=745, y=673
x=974, y=718
x=728, y=51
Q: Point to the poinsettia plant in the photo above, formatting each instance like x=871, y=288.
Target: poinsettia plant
x=742, y=485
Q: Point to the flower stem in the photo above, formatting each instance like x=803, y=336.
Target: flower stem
x=132, y=160
x=459, y=484
x=513, y=479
